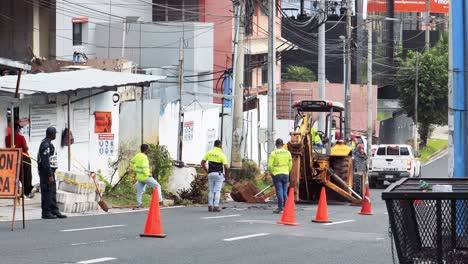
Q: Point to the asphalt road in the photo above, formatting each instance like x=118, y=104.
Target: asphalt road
x=244, y=234
x=240, y=234
x=436, y=169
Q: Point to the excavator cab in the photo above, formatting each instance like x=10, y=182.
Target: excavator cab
x=326, y=165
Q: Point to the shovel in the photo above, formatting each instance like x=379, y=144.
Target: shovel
x=101, y=202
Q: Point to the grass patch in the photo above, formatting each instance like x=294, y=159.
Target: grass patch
x=262, y=181
x=125, y=194
x=433, y=146
x=381, y=116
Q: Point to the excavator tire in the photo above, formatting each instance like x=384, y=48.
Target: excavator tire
x=342, y=166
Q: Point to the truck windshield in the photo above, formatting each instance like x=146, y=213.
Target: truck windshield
x=393, y=151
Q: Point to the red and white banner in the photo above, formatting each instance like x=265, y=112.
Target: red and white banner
x=436, y=6
x=440, y=6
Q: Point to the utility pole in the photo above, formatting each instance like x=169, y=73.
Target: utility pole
x=348, y=72
x=321, y=64
x=428, y=15
x=237, y=91
x=271, y=75
x=416, y=88
x=457, y=49
x=370, y=108
x=181, y=83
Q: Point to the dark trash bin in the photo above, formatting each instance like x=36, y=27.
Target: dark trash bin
x=429, y=227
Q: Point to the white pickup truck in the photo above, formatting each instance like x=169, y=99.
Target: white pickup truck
x=393, y=162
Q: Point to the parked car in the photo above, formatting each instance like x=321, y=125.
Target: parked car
x=393, y=162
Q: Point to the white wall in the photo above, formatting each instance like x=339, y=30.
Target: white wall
x=205, y=132
x=92, y=10
x=251, y=137
x=130, y=122
x=4, y=104
x=85, y=151
x=168, y=129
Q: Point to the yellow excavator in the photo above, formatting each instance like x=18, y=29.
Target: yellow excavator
x=329, y=164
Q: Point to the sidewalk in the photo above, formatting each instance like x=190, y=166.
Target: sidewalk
x=33, y=211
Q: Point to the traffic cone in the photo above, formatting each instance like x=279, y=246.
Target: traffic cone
x=322, y=210
x=289, y=214
x=366, y=204
x=153, y=227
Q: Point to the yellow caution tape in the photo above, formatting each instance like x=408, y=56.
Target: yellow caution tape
x=61, y=176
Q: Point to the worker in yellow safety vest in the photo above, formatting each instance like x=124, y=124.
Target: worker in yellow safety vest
x=315, y=137
x=140, y=165
x=280, y=165
x=216, y=170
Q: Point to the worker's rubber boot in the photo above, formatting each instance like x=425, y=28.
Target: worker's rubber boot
x=210, y=208
x=216, y=209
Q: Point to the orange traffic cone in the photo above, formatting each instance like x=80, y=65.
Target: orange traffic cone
x=366, y=204
x=153, y=227
x=322, y=210
x=289, y=214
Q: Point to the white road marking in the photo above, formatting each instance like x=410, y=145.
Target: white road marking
x=98, y=260
x=221, y=216
x=91, y=228
x=380, y=238
x=95, y=242
x=245, y=237
x=257, y=222
x=340, y=222
x=144, y=210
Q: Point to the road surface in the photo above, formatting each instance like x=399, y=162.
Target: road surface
x=240, y=234
x=437, y=168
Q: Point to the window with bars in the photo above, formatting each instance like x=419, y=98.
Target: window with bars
x=176, y=10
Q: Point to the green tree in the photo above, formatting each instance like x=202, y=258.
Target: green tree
x=299, y=74
x=432, y=87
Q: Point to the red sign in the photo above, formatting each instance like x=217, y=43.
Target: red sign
x=80, y=19
x=103, y=122
x=106, y=136
x=10, y=161
x=437, y=6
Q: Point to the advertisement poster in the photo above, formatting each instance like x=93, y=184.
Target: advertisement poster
x=81, y=125
x=42, y=117
x=188, y=131
x=106, y=144
x=436, y=6
x=103, y=122
x=210, y=139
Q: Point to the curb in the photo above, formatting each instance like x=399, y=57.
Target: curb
x=436, y=156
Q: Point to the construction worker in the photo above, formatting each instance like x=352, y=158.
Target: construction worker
x=217, y=162
x=20, y=142
x=140, y=165
x=47, y=165
x=279, y=165
x=315, y=137
x=360, y=161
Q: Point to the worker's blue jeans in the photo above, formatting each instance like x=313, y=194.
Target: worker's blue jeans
x=215, y=183
x=281, y=186
x=141, y=186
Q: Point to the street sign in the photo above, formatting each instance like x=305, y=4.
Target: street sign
x=10, y=164
x=9, y=172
